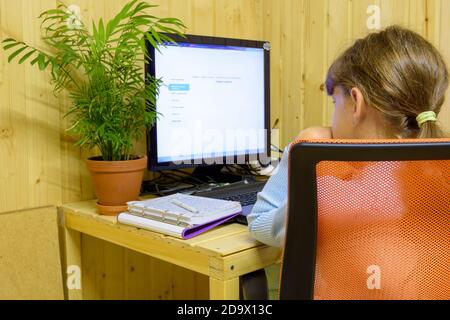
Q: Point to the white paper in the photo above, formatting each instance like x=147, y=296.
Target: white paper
x=163, y=209
x=153, y=225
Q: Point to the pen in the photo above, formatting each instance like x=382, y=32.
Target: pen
x=184, y=206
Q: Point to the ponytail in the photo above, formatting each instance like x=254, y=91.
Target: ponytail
x=428, y=126
x=430, y=130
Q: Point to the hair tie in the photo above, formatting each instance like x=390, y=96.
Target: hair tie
x=426, y=117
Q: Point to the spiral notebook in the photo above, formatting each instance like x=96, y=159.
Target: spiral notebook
x=179, y=215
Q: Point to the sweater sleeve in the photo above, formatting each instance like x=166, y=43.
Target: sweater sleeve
x=266, y=222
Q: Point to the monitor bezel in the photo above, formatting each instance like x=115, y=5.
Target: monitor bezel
x=152, y=146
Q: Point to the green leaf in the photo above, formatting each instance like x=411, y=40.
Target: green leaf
x=94, y=31
x=168, y=30
x=61, y=17
x=125, y=11
x=51, y=12
x=170, y=21
x=26, y=56
x=101, y=31
x=156, y=36
x=34, y=61
x=9, y=40
x=147, y=16
x=112, y=24
x=12, y=45
x=152, y=41
x=16, y=53
x=41, y=61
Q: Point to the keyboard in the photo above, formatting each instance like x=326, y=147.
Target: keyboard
x=243, y=192
x=245, y=199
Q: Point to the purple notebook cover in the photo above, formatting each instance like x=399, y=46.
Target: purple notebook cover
x=196, y=230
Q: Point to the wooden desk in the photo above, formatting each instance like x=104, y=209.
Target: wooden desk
x=223, y=254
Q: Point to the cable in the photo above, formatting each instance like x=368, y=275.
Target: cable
x=276, y=149
x=177, y=180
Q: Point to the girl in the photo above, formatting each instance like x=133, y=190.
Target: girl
x=389, y=85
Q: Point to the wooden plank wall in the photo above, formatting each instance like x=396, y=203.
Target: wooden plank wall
x=307, y=36
x=40, y=167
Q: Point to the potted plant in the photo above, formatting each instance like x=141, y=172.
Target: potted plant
x=113, y=102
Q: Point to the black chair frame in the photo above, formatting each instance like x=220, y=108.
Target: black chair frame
x=299, y=257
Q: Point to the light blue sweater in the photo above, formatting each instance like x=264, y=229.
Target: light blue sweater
x=266, y=222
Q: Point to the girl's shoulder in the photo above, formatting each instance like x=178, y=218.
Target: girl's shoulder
x=315, y=133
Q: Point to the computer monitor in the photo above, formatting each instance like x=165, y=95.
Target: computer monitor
x=214, y=102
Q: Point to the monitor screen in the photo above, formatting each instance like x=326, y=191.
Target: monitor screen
x=213, y=103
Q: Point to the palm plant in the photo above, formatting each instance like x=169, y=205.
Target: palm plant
x=103, y=71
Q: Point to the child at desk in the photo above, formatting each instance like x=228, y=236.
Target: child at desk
x=389, y=85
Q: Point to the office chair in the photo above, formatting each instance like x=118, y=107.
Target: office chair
x=368, y=220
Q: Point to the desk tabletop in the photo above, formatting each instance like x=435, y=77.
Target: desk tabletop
x=223, y=253
x=220, y=241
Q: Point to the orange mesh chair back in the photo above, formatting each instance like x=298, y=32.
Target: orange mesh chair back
x=368, y=220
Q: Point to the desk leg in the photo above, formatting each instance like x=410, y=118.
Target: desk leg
x=72, y=269
x=224, y=289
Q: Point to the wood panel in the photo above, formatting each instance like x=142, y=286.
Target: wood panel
x=284, y=24
x=30, y=265
x=316, y=66
x=39, y=165
x=272, y=32
x=30, y=174
x=340, y=30
x=439, y=33
x=112, y=272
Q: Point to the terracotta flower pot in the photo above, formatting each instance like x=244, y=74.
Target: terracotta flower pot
x=116, y=183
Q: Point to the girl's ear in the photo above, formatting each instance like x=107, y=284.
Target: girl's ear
x=359, y=107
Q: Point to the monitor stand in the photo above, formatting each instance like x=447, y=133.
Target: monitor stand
x=216, y=174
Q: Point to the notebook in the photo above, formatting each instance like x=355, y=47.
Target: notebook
x=179, y=215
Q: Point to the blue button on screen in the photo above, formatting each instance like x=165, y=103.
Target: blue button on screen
x=179, y=87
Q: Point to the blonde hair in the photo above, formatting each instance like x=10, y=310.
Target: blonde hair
x=400, y=74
